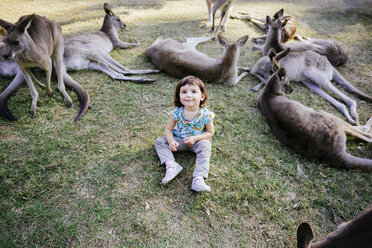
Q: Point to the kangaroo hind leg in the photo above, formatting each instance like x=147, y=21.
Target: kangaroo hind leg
x=326, y=84
x=358, y=131
x=193, y=42
x=319, y=91
x=338, y=78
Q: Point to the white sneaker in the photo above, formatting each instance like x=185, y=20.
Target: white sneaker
x=171, y=172
x=198, y=184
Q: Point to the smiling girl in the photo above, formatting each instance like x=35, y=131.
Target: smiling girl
x=189, y=128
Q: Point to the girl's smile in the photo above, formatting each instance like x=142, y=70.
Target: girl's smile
x=191, y=96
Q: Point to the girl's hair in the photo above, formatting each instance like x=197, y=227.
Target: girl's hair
x=192, y=80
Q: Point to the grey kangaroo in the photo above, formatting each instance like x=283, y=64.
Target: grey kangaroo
x=225, y=7
x=32, y=42
x=91, y=51
x=182, y=59
x=288, y=30
x=329, y=48
x=311, y=133
x=355, y=233
x=316, y=73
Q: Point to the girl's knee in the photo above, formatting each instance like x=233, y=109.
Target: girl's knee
x=203, y=145
x=161, y=141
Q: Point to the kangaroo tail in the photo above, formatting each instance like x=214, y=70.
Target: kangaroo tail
x=348, y=161
x=81, y=92
x=17, y=82
x=4, y=111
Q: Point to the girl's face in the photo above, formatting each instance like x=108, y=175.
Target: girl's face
x=191, y=96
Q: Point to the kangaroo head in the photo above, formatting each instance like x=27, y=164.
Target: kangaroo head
x=16, y=39
x=304, y=235
x=274, y=27
x=280, y=72
x=285, y=85
x=232, y=45
x=113, y=19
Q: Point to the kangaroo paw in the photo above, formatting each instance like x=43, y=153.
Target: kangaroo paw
x=68, y=102
x=33, y=110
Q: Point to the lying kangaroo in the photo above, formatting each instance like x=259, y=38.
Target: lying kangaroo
x=329, y=48
x=356, y=233
x=33, y=41
x=182, y=59
x=316, y=73
x=91, y=51
x=213, y=6
x=311, y=133
x=288, y=31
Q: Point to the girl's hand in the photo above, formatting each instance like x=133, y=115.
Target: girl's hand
x=189, y=140
x=173, y=146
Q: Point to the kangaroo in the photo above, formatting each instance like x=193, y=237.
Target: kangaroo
x=182, y=59
x=311, y=133
x=316, y=73
x=213, y=6
x=329, y=48
x=33, y=41
x=288, y=32
x=91, y=51
x=355, y=233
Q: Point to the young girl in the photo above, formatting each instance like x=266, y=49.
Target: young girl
x=189, y=128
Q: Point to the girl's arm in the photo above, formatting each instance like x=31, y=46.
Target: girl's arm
x=204, y=136
x=169, y=134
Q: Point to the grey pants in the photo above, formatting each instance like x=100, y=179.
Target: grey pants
x=202, y=149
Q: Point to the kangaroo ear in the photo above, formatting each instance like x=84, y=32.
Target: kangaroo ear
x=269, y=21
x=281, y=12
x=222, y=39
x=241, y=42
x=6, y=25
x=108, y=9
x=282, y=54
x=304, y=235
x=282, y=25
x=271, y=53
x=25, y=23
x=281, y=74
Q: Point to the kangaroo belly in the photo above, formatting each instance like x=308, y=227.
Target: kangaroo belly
x=8, y=68
x=76, y=63
x=307, y=131
x=179, y=60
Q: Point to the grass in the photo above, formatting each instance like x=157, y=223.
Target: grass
x=97, y=182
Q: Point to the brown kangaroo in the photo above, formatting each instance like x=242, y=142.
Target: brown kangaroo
x=329, y=48
x=288, y=31
x=355, y=233
x=213, y=6
x=182, y=59
x=33, y=41
x=311, y=133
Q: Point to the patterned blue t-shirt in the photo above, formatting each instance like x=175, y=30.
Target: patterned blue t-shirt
x=185, y=128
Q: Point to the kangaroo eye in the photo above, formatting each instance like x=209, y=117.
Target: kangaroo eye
x=15, y=43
